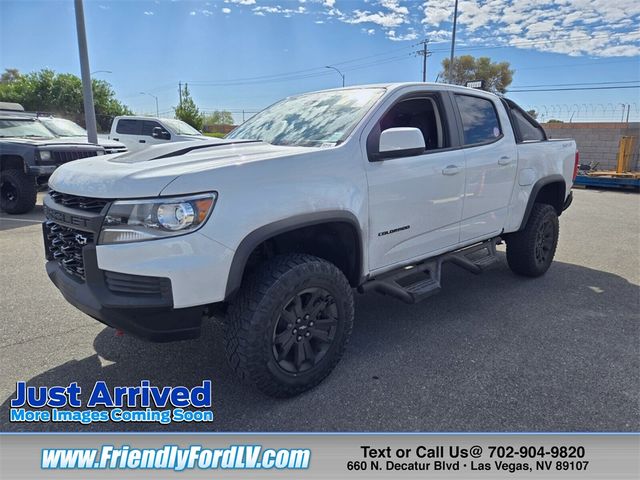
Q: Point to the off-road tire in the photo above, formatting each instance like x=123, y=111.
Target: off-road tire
x=18, y=191
x=530, y=251
x=250, y=329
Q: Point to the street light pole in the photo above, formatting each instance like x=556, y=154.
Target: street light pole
x=453, y=42
x=152, y=95
x=87, y=92
x=339, y=72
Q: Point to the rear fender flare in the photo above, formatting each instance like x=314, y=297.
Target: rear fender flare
x=535, y=190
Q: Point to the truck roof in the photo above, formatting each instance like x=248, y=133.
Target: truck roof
x=142, y=117
x=399, y=85
x=396, y=85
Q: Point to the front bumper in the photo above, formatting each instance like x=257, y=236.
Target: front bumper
x=41, y=170
x=151, y=317
x=156, y=289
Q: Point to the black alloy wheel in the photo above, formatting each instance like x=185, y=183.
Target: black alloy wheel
x=305, y=330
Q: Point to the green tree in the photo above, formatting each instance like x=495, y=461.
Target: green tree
x=61, y=95
x=218, y=117
x=187, y=111
x=497, y=76
x=9, y=75
x=553, y=120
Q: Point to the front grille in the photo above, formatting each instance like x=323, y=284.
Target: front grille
x=65, y=245
x=75, y=201
x=64, y=156
x=110, y=150
x=125, y=284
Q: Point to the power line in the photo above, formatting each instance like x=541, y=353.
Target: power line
x=577, y=84
x=321, y=71
x=577, y=88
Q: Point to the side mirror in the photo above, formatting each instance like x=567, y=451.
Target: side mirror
x=160, y=133
x=401, y=142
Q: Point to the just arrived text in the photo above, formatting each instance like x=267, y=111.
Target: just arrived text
x=143, y=395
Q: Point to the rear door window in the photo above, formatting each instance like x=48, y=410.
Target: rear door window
x=479, y=120
x=129, y=127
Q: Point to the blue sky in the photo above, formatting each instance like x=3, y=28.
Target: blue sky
x=245, y=54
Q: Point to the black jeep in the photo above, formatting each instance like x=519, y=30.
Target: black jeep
x=29, y=153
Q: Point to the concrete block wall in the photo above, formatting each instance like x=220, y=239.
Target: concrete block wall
x=598, y=142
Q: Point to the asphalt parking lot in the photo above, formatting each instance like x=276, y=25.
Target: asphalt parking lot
x=489, y=353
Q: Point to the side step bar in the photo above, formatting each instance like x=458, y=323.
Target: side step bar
x=414, y=283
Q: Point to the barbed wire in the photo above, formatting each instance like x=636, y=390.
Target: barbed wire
x=609, y=111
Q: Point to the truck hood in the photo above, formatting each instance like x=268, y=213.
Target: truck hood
x=147, y=172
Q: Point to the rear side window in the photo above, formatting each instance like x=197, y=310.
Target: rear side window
x=527, y=131
x=479, y=120
x=129, y=127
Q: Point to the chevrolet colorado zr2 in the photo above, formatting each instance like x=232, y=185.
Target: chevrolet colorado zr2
x=368, y=188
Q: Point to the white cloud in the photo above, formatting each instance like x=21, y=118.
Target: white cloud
x=226, y=10
x=103, y=7
x=573, y=27
x=192, y=13
x=395, y=37
x=207, y=13
x=148, y=13
x=277, y=9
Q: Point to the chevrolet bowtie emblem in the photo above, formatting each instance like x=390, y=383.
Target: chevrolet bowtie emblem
x=81, y=239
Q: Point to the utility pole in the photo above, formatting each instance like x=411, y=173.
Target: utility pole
x=180, y=93
x=453, y=42
x=424, y=53
x=87, y=92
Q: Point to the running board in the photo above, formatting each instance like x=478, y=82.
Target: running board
x=414, y=283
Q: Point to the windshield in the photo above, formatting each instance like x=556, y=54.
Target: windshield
x=23, y=128
x=181, y=128
x=64, y=128
x=311, y=120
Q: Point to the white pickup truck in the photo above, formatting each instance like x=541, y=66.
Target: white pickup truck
x=366, y=188
x=138, y=133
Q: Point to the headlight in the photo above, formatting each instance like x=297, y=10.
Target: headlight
x=138, y=220
x=45, y=155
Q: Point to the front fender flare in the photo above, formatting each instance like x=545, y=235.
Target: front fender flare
x=265, y=232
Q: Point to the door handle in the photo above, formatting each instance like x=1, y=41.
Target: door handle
x=504, y=160
x=116, y=139
x=451, y=170
x=142, y=141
